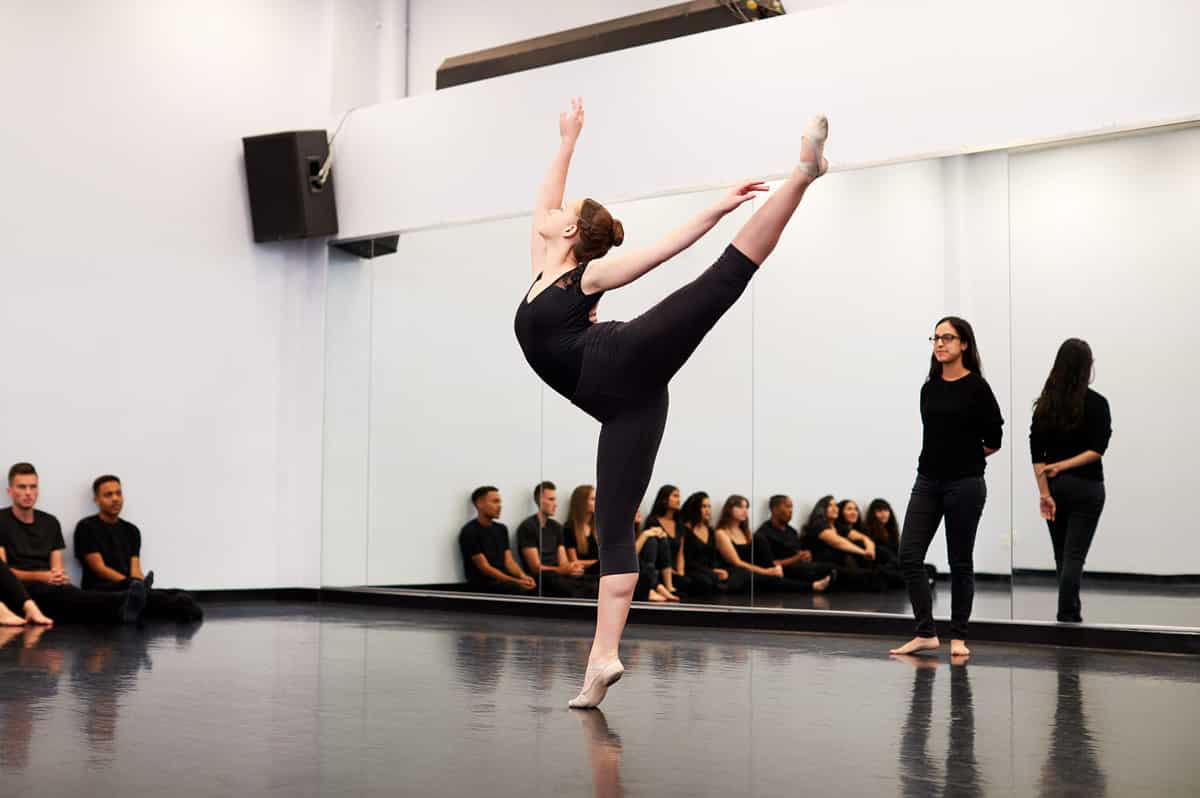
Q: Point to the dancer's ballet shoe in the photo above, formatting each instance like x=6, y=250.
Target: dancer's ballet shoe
x=596, y=682
x=815, y=133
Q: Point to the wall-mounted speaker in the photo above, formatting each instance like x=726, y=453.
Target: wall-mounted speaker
x=287, y=199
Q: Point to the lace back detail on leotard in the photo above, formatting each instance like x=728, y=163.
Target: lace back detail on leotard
x=567, y=280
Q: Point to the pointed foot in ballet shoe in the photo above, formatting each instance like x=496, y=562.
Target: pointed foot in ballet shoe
x=596, y=682
x=916, y=645
x=812, y=147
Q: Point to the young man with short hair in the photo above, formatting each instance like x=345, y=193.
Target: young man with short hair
x=487, y=559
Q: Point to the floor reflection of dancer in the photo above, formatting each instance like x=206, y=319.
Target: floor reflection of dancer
x=962, y=428
x=617, y=372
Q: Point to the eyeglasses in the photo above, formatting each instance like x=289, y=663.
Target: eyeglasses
x=945, y=339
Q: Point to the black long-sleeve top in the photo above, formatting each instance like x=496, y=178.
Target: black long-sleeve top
x=960, y=418
x=1050, y=445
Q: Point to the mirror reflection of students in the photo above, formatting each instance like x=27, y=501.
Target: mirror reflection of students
x=487, y=558
x=540, y=543
x=1069, y=435
x=735, y=546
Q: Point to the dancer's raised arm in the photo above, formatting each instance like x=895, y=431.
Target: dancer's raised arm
x=550, y=195
x=614, y=271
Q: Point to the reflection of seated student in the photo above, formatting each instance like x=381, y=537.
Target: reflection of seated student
x=884, y=531
x=850, y=523
x=654, y=559
x=696, y=571
x=540, y=542
x=30, y=691
x=487, y=559
x=663, y=515
x=110, y=550
x=32, y=544
x=734, y=544
x=850, y=551
x=579, y=533
x=778, y=543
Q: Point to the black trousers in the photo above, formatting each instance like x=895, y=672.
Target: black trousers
x=560, y=586
x=69, y=604
x=960, y=502
x=626, y=369
x=1079, y=504
x=807, y=571
x=12, y=592
x=162, y=605
x=743, y=581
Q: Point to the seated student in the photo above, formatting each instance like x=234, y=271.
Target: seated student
x=16, y=607
x=778, y=543
x=110, y=550
x=882, y=528
x=31, y=542
x=849, y=524
x=663, y=515
x=540, y=542
x=579, y=533
x=654, y=559
x=696, y=571
x=852, y=553
x=735, y=547
x=487, y=559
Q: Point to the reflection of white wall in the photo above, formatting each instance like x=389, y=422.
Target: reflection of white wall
x=453, y=403
x=1105, y=247
x=842, y=313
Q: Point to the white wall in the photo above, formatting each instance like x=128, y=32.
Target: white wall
x=1106, y=248
x=896, y=79
x=146, y=333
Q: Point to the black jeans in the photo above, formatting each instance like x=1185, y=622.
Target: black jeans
x=1079, y=504
x=69, y=604
x=960, y=502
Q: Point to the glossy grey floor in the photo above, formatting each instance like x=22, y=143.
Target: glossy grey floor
x=304, y=700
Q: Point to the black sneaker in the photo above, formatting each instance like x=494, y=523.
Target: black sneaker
x=135, y=602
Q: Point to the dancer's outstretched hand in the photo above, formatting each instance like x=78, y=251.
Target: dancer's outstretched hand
x=570, y=123
x=740, y=193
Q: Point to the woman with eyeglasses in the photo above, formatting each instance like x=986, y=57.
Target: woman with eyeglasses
x=1069, y=434
x=962, y=428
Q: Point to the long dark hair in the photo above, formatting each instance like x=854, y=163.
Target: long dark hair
x=966, y=336
x=818, y=519
x=1061, y=404
x=690, y=512
x=883, y=533
x=579, y=519
x=842, y=525
x=726, y=520
x=659, y=508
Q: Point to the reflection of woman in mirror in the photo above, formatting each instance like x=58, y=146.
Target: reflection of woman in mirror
x=884, y=532
x=735, y=545
x=961, y=428
x=663, y=514
x=1069, y=434
x=696, y=568
x=579, y=533
x=654, y=556
x=851, y=551
x=618, y=372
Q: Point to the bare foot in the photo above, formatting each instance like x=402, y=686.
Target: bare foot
x=917, y=644
x=34, y=615
x=821, y=585
x=958, y=648
x=812, y=147
x=9, y=618
x=666, y=594
x=657, y=597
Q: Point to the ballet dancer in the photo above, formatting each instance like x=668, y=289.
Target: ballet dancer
x=617, y=372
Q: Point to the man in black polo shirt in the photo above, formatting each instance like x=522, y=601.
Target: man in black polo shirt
x=487, y=558
x=778, y=543
x=540, y=541
x=110, y=550
x=31, y=542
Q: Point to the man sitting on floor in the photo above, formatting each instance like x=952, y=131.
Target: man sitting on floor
x=31, y=542
x=540, y=541
x=109, y=548
x=487, y=559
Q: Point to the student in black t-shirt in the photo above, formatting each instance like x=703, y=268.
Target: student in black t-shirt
x=1067, y=439
x=850, y=551
x=487, y=559
x=110, y=550
x=540, y=542
x=777, y=542
x=31, y=542
x=734, y=544
x=962, y=428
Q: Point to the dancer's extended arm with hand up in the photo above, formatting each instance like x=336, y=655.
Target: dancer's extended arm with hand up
x=550, y=194
x=613, y=271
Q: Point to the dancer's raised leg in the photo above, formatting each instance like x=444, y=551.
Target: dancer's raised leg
x=758, y=237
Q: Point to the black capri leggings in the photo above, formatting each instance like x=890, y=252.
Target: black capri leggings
x=624, y=385
x=12, y=592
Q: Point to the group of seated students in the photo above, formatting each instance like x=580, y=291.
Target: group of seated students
x=34, y=585
x=680, y=553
